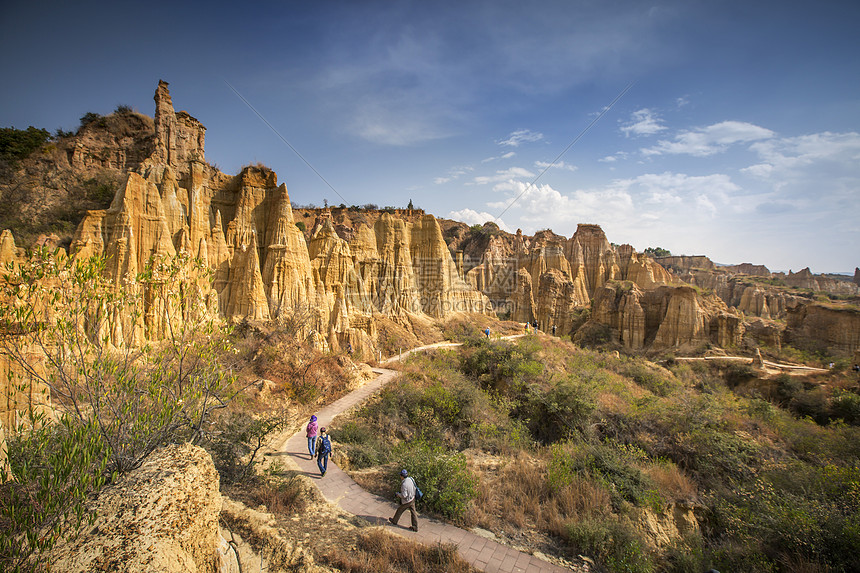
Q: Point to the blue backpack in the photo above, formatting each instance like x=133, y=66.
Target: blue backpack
x=418, y=493
x=325, y=446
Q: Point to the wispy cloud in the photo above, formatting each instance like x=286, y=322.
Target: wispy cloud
x=557, y=165
x=710, y=140
x=453, y=174
x=507, y=155
x=512, y=174
x=643, y=122
x=517, y=138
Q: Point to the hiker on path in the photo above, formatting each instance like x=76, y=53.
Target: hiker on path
x=312, y=436
x=527, y=328
x=553, y=330
x=407, y=500
x=323, y=451
x=487, y=332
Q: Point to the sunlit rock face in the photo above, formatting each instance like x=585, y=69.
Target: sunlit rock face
x=162, y=516
x=262, y=265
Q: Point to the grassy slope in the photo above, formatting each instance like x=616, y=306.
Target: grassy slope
x=569, y=451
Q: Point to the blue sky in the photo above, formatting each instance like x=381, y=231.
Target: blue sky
x=738, y=138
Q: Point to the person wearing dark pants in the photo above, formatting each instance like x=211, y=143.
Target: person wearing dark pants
x=323, y=452
x=407, y=500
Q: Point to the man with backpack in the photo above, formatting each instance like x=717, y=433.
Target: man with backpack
x=323, y=452
x=407, y=494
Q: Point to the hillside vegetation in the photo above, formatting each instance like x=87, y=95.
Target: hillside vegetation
x=641, y=467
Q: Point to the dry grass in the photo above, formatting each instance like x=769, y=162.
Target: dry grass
x=378, y=551
x=673, y=483
x=281, y=496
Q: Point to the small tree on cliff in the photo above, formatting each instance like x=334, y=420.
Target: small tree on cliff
x=657, y=252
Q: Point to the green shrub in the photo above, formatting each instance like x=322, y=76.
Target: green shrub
x=846, y=406
x=501, y=366
x=351, y=433
x=615, y=466
x=55, y=467
x=565, y=409
x=649, y=376
x=236, y=441
x=614, y=543
x=448, y=486
x=91, y=117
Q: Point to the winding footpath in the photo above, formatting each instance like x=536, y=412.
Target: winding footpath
x=337, y=487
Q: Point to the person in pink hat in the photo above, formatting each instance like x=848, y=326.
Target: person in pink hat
x=312, y=436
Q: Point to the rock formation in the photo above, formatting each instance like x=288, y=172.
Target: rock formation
x=665, y=317
x=161, y=517
x=355, y=265
x=243, y=227
x=824, y=327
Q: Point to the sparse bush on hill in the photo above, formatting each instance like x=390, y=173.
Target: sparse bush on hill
x=19, y=143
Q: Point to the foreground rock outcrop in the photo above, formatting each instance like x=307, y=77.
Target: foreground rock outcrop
x=161, y=517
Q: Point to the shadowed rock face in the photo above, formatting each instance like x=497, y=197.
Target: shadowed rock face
x=665, y=317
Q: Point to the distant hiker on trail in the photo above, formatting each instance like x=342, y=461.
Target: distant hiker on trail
x=323, y=452
x=527, y=328
x=349, y=347
x=312, y=436
x=487, y=332
x=407, y=500
x=535, y=324
x=553, y=330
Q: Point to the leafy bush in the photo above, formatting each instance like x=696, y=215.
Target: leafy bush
x=612, y=465
x=55, y=467
x=447, y=484
x=562, y=411
x=650, y=377
x=846, y=406
x=235, y=442
x=613, y=542
x=501, y=366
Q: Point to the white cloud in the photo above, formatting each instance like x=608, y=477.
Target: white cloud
x=710, y=140
x=473, y=217
x=516, y=138
x=644, y=122
x=613, y=158
x=543, y=206
x=557, y=165
x=761, y=170
x=807, y=150
x=506, y=175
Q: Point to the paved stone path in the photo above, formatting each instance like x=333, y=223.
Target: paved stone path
x=339, y=488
